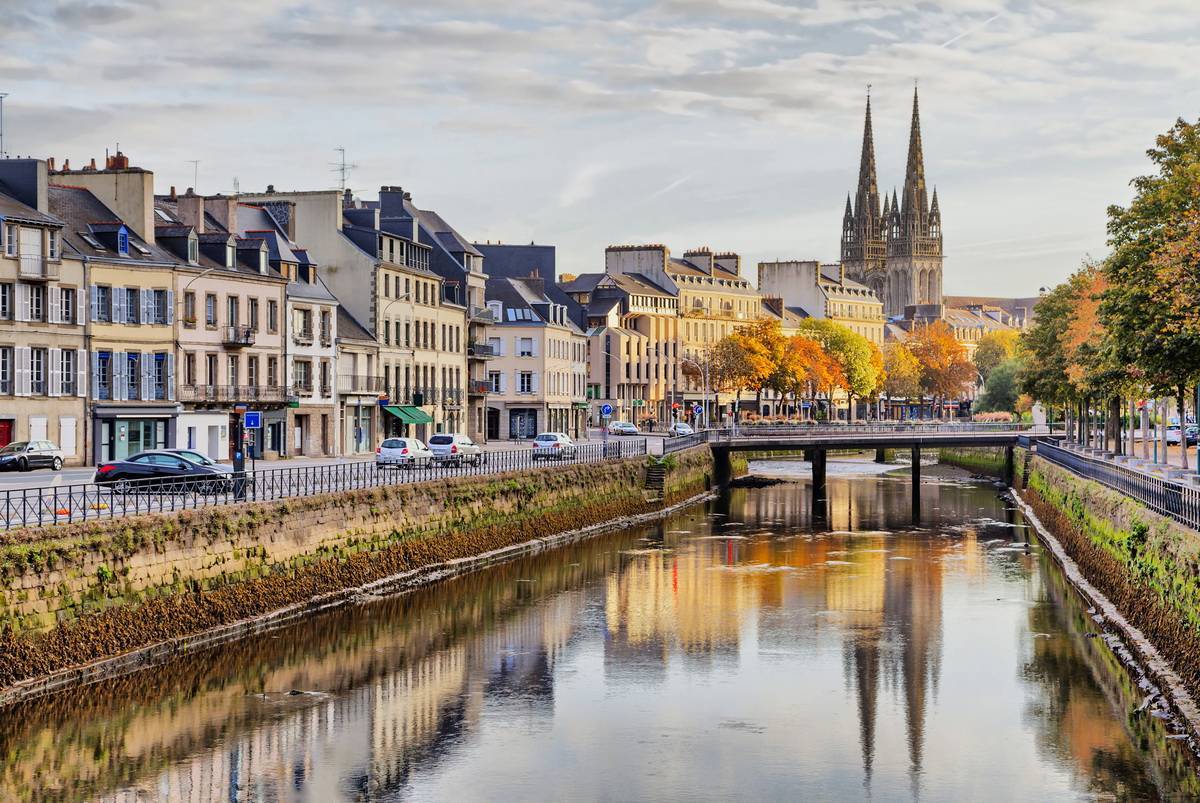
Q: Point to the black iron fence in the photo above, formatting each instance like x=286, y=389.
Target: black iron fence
x=1179, y=500
x=59, y=504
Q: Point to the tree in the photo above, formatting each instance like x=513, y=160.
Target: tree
x=994, y=348
x=852, y=352
x=1001, y=392
x=903, y=371
x=945, y=370
x=738, y=363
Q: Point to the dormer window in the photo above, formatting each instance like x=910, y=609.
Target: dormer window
x=123, y=243
x=193, y=250
x=92, y=241
x=229, y=255
x=262, y=261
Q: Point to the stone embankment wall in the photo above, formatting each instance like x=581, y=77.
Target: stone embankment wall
x=81, y=592
x=1146, y=564
x=979, y=459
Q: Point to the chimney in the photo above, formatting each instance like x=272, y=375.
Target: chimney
x=348, y=198
x=191, y=209
x=224, y=209
x=50, y=163
x=28, y=180
x=92, y=166
x=118, y=162
x=172, y=196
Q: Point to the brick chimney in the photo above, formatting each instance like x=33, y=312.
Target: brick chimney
x=191, y=209
x=127, y=191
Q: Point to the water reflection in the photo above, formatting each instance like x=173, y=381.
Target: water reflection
x=732, y=651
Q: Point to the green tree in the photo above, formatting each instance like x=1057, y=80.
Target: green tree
x=852, y=352
x=994, y=348
x=903, y=371
x=1002, y=390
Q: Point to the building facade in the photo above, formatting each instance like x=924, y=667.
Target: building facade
x=823, y=291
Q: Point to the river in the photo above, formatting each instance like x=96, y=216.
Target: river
x=734, y=651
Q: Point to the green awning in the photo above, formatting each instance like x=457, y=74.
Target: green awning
x=409, y=415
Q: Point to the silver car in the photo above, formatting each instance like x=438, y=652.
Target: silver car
x=622, y=428
x=403, y=453
x=554, y=446
x=456, y=450
x=28, y=455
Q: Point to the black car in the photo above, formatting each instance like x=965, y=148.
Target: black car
x=162, y=469
x=28, y=455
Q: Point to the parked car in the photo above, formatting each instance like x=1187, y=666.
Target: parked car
x=403, y=453
x=680, y=428
x=1193, y=434
x=554, y=446
x=194, y=456
x=28, y=455
x=622, y=428
x=456, y=450
x=161, y=469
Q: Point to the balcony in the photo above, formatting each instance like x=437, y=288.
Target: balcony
x=303, y=336
x=479, y=387
x=302, y=387
x=232, y=393
x=361, y=384
x=451, y=398
x=238, y=336
x=480, y=315
x=481, y=351
x=37, y=268
x=326, y=337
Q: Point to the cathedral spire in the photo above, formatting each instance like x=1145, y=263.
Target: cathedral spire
x=867, y=202
x=916, y=207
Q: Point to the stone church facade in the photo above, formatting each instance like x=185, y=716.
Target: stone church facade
x=895, y=248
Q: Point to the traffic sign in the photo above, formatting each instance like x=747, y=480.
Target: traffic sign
x=697, y=410
x=252, y=419
x=606, y=410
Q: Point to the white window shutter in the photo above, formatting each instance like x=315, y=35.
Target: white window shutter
x=120, y=376
x=95, y=302
x=54, y=388
x=96, y=374
x=147, y=300
x=22, y=302
x=503, y=382
x=533, y=348
x=147, y=366
x=81, y=373
x=170, y=377
x=80, y=314
x=170, y=306
x=22, y=354
x=533, y=380
x=119, y=299
x=53, y=304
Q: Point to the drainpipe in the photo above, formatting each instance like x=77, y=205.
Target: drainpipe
x=87, y=355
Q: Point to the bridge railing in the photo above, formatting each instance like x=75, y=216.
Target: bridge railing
x=882, y=427
x=1179, y=500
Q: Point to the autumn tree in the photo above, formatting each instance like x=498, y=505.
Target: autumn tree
x=852, y=352
x=903, y=371
x=994, y=348
x=945, y=370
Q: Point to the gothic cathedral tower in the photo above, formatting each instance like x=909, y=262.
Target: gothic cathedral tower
x=914, y=235
x=864, y=247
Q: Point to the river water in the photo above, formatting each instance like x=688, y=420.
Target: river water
x=733, y=652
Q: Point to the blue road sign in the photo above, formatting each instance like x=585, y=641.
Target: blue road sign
x=697, y=410
x=252, y=419
x=606, y=410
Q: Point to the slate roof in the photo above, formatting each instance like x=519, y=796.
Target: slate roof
x=350, y=329
x=12, y=209
x=583, y=283
x=83, y=213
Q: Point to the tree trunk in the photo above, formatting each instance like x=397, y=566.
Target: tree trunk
x=1112, y=432
x=1180, y=402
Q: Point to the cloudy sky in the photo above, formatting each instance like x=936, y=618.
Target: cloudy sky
x=729, y=123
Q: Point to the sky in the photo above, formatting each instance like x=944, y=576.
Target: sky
x=734, y=124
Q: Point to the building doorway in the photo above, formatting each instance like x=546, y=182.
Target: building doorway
x=493, y=424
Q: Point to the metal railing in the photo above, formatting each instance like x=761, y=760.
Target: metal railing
x=236, y=335
x=35, y=266
x=749, y=430
x=232, y=393
x=479, y=387
x=360, y=384
x=303, y=335
x=481, y=351
x=1180, y=501
x=60, y=504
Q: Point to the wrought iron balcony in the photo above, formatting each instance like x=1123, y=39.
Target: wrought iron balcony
x=360, y=384
x=36, y=267
x=326, y=337
x=303, y=335
x=232, y=393
x=481, y=351
x=479, y=387
x=238, y=336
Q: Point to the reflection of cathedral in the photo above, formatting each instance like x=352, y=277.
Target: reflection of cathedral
x=896, y=250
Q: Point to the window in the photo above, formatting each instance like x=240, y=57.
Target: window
x=210, y=310
x=262, y=261
x=37, y=302
x=133, y=299
x=230, y=253
x=387, y=333
x=67, y=370
x=133, y=375
x=252, y=305
x=387, y=285
x=193, y=250
x=66, y=302
x=252, y=371
x=103, y=311
x=303, y=370
x=52, y=252
x=189, y=368
x=210, y=369
x=232, y=308
x=494, y=381
x=525, y=346
x=103, y=377
x=160, y=375
x=189, y=310
x=272, y=371
x=272, y=315
x=161, y=311
x=525, y=382
x=10, y=239
x=234, y=378
x=6, y=370
x=123, y=242
x=326, y=326
x=6, y=301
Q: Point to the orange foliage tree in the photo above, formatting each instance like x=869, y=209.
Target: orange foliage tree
x=945, y=370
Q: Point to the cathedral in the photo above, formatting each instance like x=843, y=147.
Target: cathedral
x=894, y=248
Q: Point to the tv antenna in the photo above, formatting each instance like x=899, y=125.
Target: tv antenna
x=195, y=163
x=3, y=95
x=342, y=168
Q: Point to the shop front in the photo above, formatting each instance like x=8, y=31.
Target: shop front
x=124, y=430
x=407, y=421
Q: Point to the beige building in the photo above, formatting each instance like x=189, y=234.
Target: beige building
x=43, y=296
x=537, y=376
x=824, y=292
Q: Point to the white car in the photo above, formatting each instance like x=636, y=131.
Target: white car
x=403, y=453
x=680, y=428
x=456, y=450
x=622, y=428
x=554, y=446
